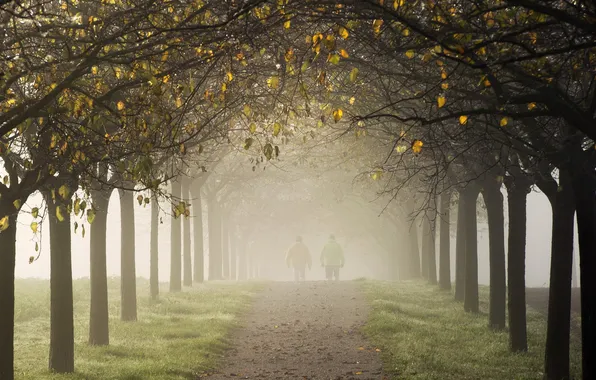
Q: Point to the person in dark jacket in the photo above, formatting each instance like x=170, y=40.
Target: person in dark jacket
x=298, y=257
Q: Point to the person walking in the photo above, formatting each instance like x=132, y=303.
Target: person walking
x=332, y=258
x=299, y=258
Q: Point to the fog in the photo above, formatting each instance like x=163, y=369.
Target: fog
x=363, y=255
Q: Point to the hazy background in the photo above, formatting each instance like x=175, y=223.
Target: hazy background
x=362, y=258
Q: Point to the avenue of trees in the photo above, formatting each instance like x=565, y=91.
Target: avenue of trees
x=435, y=103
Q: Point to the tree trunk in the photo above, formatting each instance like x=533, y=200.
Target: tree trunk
x=432, y=254
x=61, y=358
x=187, y=250
x=175, y=242
x=460, y=249
x=214, y=220
x=444, y=243
x=154, y=249
x=225, y=248
x=99, y=333
x=197, y=228
x=517, y=192
x=414, y=251
x=242, y=264
x=128, y=276
x=426, y=242
x=233, y=255
x=470, y=195
x=584, y=189
x=493, y=199
x=7, y=267
x=556, y=363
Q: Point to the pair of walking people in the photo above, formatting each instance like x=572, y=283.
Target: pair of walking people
x=332, y=258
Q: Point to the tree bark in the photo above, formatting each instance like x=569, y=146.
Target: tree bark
x=460, y=249
x=517, y=192
x=432, y=254
x=242, y=262
x=175, y=242
x=424, y=257
x=61, y=358
x=197, y=228
x=414, y=251
x=99, y=333
x=154, y=250
x=493, y=199
x=7, y=268
x=444, y=243
x=215, y=259
x=584, y=189
x=471, y=304
x=233, y=255
x=128, y=276
x=556, y=363
x=186, y=239
x=225, y=247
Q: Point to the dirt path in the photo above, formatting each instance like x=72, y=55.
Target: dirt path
x=303, y=331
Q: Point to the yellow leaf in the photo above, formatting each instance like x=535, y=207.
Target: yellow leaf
x=120, y=105
x=463, y=119
x=4, y=223
x=443, y=75
x=377, y=26
x=487, y=83
x=343, y=32
x=178, y=102
x=417, y=146
x=287, y=24
x=352, y=100
x=358, y=373
x=276, y=129
x=405, y=32
x=400, y=148
x=444, y=85
x=273, y=82
x=504, y=122
x=252, y=127
x=354, y=74
x=229, y=76
x=35, y=212
x=361, y=348
x=63, y=191
x=343, y=53
x=94, y=70
x=59, y=215
x=410, y=54
x=338, y=114
x=34, y=226
x=17, y=204
x=531, y=106
x=247, y=111
x=441, y=101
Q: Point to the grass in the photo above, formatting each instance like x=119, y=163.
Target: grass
x=424, y=334
x=177, y=337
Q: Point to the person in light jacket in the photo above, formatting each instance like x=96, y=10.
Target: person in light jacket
x=332, y=258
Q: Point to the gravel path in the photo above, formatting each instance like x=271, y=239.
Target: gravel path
x=303, y=331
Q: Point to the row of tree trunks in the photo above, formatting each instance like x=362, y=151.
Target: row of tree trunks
x=197, y=224
x=414, y=251
x=98, y=322
x=215, y=239
x=175, y=243
x=469, y=197
x=225, y=247
x=444, y=242
x=556, y=361
x=187, y=256
x=128, y=277
x=7, y=277
x=154, y=250
x=460, y=250
x=493, y=199
x=517, y=192
x=584, y=185
x=61, y=358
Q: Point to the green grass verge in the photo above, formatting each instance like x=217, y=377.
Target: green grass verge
x=424, y=334
x=176, y=337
